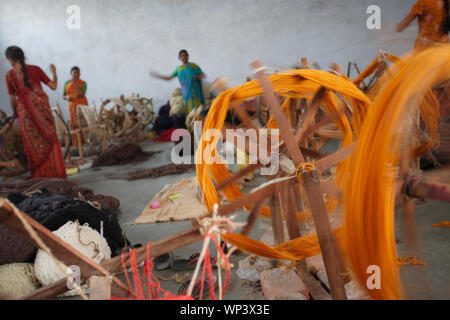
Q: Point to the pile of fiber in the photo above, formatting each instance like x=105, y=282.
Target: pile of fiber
x=58, y=186
x=163, y=121
x=124, y=153
x=53, y=211
x=176, y=105
x=176, y=102
x=167, y=117
x=81, y=237
x=165, y=170
x=14, y=247
x=17, y=280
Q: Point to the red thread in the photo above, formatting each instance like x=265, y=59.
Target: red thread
x=154, y=286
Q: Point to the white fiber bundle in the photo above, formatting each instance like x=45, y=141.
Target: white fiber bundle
x=84, y=239
x=176, y=105
x=176, y=92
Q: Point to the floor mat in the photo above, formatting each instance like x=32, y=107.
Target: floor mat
x=177, y=201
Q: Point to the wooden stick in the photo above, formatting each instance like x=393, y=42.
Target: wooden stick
x=310, y=114
x=252, y=218
x=333, y=159
x=428, y=190
x=243, y=116
x=289, y=212
x=324, y=234
x=157, y=248
x=277, y=220
x=234, y=177
x=48, y=292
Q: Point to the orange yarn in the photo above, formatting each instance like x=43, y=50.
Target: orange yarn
x=409, y=260
x=291, y=84
x=445, y=224
x=370, y=190
x=367, y=237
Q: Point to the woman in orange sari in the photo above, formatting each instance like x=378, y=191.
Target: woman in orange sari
x=434, y=22
x=75, y=93
x=37, y=125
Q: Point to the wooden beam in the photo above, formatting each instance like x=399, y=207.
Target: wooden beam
x=253, y=216
x=333, y=159
x=48, y=292
x=310, y=114
x=157, y=248
x=290, y=212
x=324, y=234
x=235, y=176
x=277, y=219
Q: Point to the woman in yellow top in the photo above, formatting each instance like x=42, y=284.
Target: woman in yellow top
x=433, y=17
x=75, y=93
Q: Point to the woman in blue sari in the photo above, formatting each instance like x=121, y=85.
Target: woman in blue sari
x=190, y=76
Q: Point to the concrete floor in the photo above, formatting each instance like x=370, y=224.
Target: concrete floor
x=430, y=282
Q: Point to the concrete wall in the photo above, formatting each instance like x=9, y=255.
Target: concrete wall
x=120, y=41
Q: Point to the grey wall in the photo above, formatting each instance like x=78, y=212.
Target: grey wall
x=120, y=41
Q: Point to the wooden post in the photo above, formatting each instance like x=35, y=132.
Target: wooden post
x=305, y=63
x=289, y=212
x=252, y=218
x=78, y=132
x=324, y=234
x=277, y=220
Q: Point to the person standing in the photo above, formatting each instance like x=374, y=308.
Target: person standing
x=434, y=22
x=190, y=76
x=75, y=93
x=30, y=104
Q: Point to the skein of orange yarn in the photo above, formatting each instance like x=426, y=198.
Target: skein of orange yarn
x=370, y=190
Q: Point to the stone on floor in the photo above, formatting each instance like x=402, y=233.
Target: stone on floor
x=280, y=283
x=314, y=264
x=251, y=267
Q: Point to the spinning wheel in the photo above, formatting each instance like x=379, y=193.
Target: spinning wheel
x=298, y=178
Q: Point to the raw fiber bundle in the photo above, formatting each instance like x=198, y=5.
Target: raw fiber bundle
x=14, y=247
x=84, y=239
x=58, y=186
x=165, y=170
x=122, y=154
x=17, y=280
x=54, y=211
x=176, y=105
x=176, y=92
x=370, y=191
